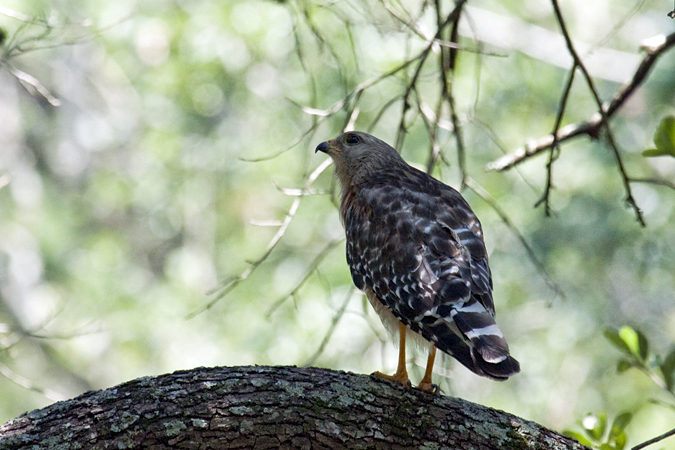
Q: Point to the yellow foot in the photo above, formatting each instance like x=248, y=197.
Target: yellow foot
x=398, y=377
x=428, y=387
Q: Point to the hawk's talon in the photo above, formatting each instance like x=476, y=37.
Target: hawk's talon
x=431, y=388
x=398, y=377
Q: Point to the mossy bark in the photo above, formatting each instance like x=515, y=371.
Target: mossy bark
x=271, y=407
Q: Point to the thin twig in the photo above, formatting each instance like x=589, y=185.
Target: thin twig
x=336, y=318
x=655, y=440
x=313, y=266
x=381, y=112
x=482, y=193
x=448, y=96
x=27, y=79
x=234, y=281
x=656, y=181
x=15, y=14
x=432, y=124
x=411, y=86
x=27, y=384
x=609, y=135
x=18, y=333
x=454, y=118
x=554, y=151
x=410, y=24
x=369, y=83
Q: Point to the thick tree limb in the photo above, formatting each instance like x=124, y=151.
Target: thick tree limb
x=271, y=407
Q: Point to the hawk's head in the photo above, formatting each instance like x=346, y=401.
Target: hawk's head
x=357, y=155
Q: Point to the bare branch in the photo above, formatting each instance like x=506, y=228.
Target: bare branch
x=336, y=318
x=381, y=112
x=656, y=181
x=600, y=122
x=657, y=438
x=448, y=68
x=14, y=14
x=410, y=24
x=27, y=384
x=554, y=151
x=234, y=281
x=313, y=266
x=654, y=47
x=601, y=109
x=27, y=79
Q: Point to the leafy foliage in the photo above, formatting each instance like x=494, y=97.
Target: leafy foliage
x=664, y=139
x=635, y=346
x=597, y=434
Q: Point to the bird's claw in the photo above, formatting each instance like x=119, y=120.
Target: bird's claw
x=428, y=387
x=400, y=378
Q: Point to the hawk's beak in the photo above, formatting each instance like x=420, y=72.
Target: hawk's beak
x=323, y=147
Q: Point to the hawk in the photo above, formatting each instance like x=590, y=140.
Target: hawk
x=416, y=249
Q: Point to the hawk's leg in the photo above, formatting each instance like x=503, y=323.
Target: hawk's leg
x=401, y=375
x=426, y=384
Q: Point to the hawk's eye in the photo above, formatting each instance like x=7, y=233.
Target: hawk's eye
x=353, y=139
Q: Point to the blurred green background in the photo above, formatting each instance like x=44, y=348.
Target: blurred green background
x=169, y=145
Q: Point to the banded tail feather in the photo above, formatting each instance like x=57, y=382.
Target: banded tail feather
x=489, y=349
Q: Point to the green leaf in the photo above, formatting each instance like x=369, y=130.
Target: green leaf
x=643, y=345
x=595, y=426
x=620, y=441
x=651, y=152
x=619, y=424
x=617, y=435
x=580, y=438
x=613, y=337
x=623, y=366
x=668, y=370
x=664, y=139
x=635, y=341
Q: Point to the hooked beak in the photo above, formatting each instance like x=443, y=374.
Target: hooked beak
x=322, y=147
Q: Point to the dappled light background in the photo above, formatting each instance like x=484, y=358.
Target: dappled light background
x=162, y=207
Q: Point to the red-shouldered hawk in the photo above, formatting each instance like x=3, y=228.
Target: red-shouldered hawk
x=416, y=248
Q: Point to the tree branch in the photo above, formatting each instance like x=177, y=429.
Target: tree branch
x=655, y=440
x=578, y=63
x=654, y=48
x=554, y=151
x=271, y=407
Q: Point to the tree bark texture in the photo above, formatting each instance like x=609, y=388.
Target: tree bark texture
x=271, y=407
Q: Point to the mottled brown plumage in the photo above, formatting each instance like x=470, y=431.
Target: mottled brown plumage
x=416, y=248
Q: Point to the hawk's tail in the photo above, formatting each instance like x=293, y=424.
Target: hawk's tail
x=488, y=348
x=476, y=341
